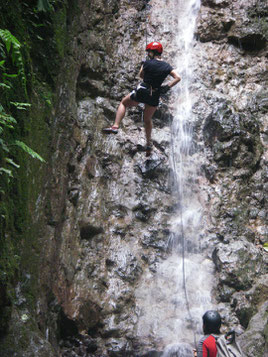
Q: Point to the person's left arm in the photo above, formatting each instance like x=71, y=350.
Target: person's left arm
x=176, y=79
x=164, y=89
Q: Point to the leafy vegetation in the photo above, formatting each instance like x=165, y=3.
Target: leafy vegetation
x=32, y=44
x=10, y=49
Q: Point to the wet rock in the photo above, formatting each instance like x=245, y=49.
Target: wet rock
x=244, y=310
x=179, y=350
x=235, y=267
x=149, y=168
x=116, y=347
x=210, y=171
x=216, y=3
x=250, y=37
x=88, y=231
x=88, y=316
x=143, y=212
x=66, y=326
x=163, y=116
x=114, y=188
x=235, y=141
x=82, y=345
x=156, y=239
x=213, y=25
x=249, y=42
x=221, y=124
x=92, y=168
x=128, y=267
x=226, y=293
x=26, y=338
x=74, y=195
x=254, y=340
x=153, y=354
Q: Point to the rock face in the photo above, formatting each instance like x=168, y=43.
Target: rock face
x=105, y=228
x=233, y=73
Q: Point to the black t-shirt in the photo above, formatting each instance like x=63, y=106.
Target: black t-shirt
x=155, y=72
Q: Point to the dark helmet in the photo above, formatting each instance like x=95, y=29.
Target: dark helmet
x=212, y=321
x=155, y=46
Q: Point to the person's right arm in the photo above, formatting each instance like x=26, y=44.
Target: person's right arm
x=141, y=73
x=202, y=350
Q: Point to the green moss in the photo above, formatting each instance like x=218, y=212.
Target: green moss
x=43, y=36
x=258, y=14
x=60, y=31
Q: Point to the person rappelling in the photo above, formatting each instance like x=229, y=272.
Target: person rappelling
x=153, y=72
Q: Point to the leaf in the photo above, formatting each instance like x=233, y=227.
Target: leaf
x=5, y=124
x=3, y=145
x=9, y=39
x=265, y=246
x=28, y=150
x=13, y=46
x=11, y=162
x=6, y=171
x=21, y=106
x=10, y=75
x=5, y=86
x=7, y=119
x=43, y=5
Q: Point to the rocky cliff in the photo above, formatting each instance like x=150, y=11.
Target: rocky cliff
x=104, y=220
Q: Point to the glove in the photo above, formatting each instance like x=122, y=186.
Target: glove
x=164, y=89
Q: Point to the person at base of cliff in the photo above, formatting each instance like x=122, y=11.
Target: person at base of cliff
x=153, y=73
x=211, y=326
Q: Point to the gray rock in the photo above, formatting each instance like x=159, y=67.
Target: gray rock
x=254, y=340
x=238, y=263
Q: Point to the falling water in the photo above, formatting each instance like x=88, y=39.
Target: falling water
x=196, y=272
x=172, y=301
x=195, y=278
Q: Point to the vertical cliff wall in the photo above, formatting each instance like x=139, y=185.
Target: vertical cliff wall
x=105, y=219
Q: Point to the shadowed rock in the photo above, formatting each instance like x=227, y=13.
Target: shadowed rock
x=88, y=231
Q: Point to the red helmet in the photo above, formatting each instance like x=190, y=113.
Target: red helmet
x=155, y=46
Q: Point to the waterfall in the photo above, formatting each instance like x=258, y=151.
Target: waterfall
x=177, y=296
x=195, y=277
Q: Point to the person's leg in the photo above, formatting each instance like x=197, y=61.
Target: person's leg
x=126, y=102
x=148, y=125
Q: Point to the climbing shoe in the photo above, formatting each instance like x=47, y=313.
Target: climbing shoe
x=110, y=130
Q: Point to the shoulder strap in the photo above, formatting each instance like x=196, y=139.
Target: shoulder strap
x=228, y=347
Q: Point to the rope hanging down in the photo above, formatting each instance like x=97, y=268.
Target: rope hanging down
x=146, y=21
x=180, y=199
x=184, y=284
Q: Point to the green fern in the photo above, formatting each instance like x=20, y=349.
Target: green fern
x=4, y=85
x=21, y=106
x=6, y=120
x=11, y=162
x=43, y=5
x=13, y=47
x=28, y=150
x=3, y=145
x=6, y=171
x=10, y=49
